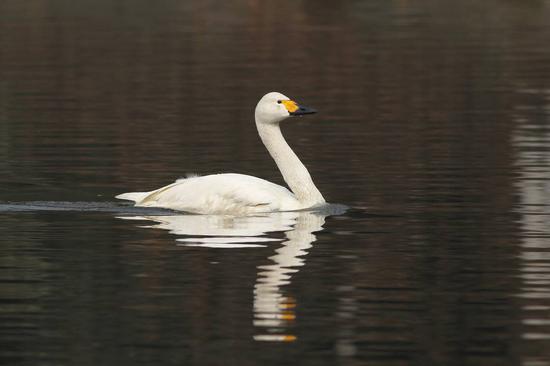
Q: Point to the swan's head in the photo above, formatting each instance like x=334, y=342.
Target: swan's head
x=275, y=107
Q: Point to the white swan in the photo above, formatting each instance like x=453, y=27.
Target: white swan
x=245, y=194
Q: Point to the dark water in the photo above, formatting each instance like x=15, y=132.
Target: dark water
x=434, y=126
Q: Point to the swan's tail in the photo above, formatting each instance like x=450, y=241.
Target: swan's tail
x=147, y=198
x=133, y=196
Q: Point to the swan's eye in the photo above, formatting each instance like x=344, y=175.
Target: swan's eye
x=278, y=102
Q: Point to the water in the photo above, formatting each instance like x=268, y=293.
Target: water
x=434, y=128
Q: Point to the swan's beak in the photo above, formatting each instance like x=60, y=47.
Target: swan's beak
x=297, y=110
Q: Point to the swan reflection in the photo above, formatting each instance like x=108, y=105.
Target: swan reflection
x=274, y=308
x=218, y=231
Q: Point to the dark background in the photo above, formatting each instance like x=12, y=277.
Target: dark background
x=433, y=125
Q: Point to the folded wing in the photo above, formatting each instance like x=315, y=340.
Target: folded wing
x=218, y=194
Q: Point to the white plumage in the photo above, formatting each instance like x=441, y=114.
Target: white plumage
x=239, y=194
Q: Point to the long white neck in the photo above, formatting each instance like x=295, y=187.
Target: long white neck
x=294, y=172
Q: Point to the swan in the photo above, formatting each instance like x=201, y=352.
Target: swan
x=239, y=194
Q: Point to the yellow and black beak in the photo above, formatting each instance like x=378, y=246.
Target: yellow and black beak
x=297, y=110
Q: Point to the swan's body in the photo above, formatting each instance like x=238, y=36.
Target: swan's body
x=244, y=194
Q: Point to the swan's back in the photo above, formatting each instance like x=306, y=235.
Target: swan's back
x=218, y=194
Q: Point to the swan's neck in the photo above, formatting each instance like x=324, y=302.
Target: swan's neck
x=294, y=172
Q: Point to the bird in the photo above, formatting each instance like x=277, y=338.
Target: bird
x=239, y=194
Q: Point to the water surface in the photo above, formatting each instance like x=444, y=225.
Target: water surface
x=434, y=128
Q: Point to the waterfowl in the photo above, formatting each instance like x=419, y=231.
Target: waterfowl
x=239, y=194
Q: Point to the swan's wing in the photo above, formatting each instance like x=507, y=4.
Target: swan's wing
x=221, y=193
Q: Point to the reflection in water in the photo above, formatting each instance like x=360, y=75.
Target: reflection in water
x=348, y=308
x=218, y=231
x=274, y=311
x=532, y=139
